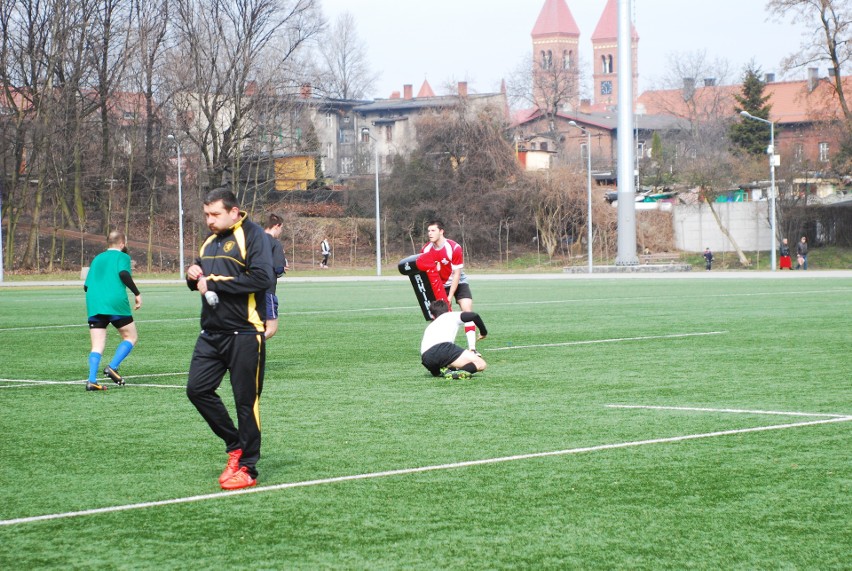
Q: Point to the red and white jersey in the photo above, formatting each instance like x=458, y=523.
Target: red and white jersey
x=449, y=257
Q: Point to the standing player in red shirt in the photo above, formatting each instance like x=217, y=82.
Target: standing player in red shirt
x=450, y=266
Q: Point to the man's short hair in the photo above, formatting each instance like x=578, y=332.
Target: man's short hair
x=439, y=307
x=273, y=221
x=436, y=222
x=115, y=238
x=224, y=194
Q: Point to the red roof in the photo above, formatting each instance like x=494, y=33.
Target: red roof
x=425, y=90
x=555, y=18
x=607, y=28
x=791, y=101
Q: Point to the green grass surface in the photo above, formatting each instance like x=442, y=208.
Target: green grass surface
x=345, y=395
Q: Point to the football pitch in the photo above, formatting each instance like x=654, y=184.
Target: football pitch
x=690, y=423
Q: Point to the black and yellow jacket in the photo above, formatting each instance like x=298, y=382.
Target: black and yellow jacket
x=238, y=266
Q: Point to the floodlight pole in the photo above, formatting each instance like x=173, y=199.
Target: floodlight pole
x=588, y=188
x=180, y=206
x=2, y=184
x=771, y=152
x=366, y=132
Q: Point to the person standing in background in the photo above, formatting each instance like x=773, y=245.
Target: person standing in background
x=273, y=228
x=106, y=288
x=325, y=249
x=708, y=259
x=802, y=254
x=786, y=263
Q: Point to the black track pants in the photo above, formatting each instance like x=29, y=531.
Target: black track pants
x=244, y=356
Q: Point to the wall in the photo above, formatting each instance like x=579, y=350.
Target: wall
x=747, y=222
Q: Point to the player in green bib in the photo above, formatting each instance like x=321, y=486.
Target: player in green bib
x=106, y=288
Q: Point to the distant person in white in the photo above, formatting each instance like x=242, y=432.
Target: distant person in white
x=438, y=351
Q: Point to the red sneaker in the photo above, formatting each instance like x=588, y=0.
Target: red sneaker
x=240, y=480
x=233, y=465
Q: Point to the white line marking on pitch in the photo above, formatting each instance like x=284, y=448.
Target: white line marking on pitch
x=407, y=471
x=34, y=382
x=729, y=410
x=615, y=340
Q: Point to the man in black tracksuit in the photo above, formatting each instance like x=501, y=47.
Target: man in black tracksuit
x=233, y=272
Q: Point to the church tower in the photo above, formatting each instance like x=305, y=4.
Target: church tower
x=555, y=39
x=605, y=57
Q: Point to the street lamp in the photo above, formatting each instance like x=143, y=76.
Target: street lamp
x=588, y=186
x=366, y=132
x=772, y=158
x=180, y=206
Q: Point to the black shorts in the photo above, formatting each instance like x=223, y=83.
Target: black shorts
x=439, y=356
x=271, y=306
x=100, y=321
x=462, y=292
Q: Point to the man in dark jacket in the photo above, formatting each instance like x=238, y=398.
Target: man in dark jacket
x=232, y=273
x=273, y=228
x=802, y=254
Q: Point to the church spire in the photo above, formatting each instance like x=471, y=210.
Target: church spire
x=555, y=19
x=556, y=39
x=605, y=56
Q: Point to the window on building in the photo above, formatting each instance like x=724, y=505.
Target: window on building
x=543, y=146
x=567, y=57
x=346, y=119
x=606, y=64
x=346, y=165
x=543, y=58
x=640, y=149
x=584, y=151
x=389, y=133
x=329, y=121
x=799, y=151
x=532, y=146
x=329, y=150
x=823, y=152
x=549, y=60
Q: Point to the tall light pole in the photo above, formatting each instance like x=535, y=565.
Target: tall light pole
x=772, y=160
x=366, y=132
x=2, y=184
x=588, y=187
x=180, y=206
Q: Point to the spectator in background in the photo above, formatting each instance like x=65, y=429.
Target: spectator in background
x=325, y=248
x=273, y=228
x=786, y=262
x=708, y=259
x=802, y=254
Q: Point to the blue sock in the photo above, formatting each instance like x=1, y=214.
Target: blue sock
x=123, y=350
x=94, y=365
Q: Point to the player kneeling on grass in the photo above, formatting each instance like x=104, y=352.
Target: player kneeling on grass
x=438, y=351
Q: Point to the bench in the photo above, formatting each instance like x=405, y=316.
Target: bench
x=670, y=257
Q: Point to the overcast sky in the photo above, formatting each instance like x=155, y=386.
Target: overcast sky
x=485, y=41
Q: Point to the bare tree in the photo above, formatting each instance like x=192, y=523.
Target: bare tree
x=830, y=40
x=548, y=86
x=226, y=51
x=346, y=71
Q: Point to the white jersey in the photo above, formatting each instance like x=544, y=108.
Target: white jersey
x=443, y=329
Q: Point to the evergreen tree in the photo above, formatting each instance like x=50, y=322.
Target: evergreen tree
x=748, y=135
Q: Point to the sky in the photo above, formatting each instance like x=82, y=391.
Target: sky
x=485, y=41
